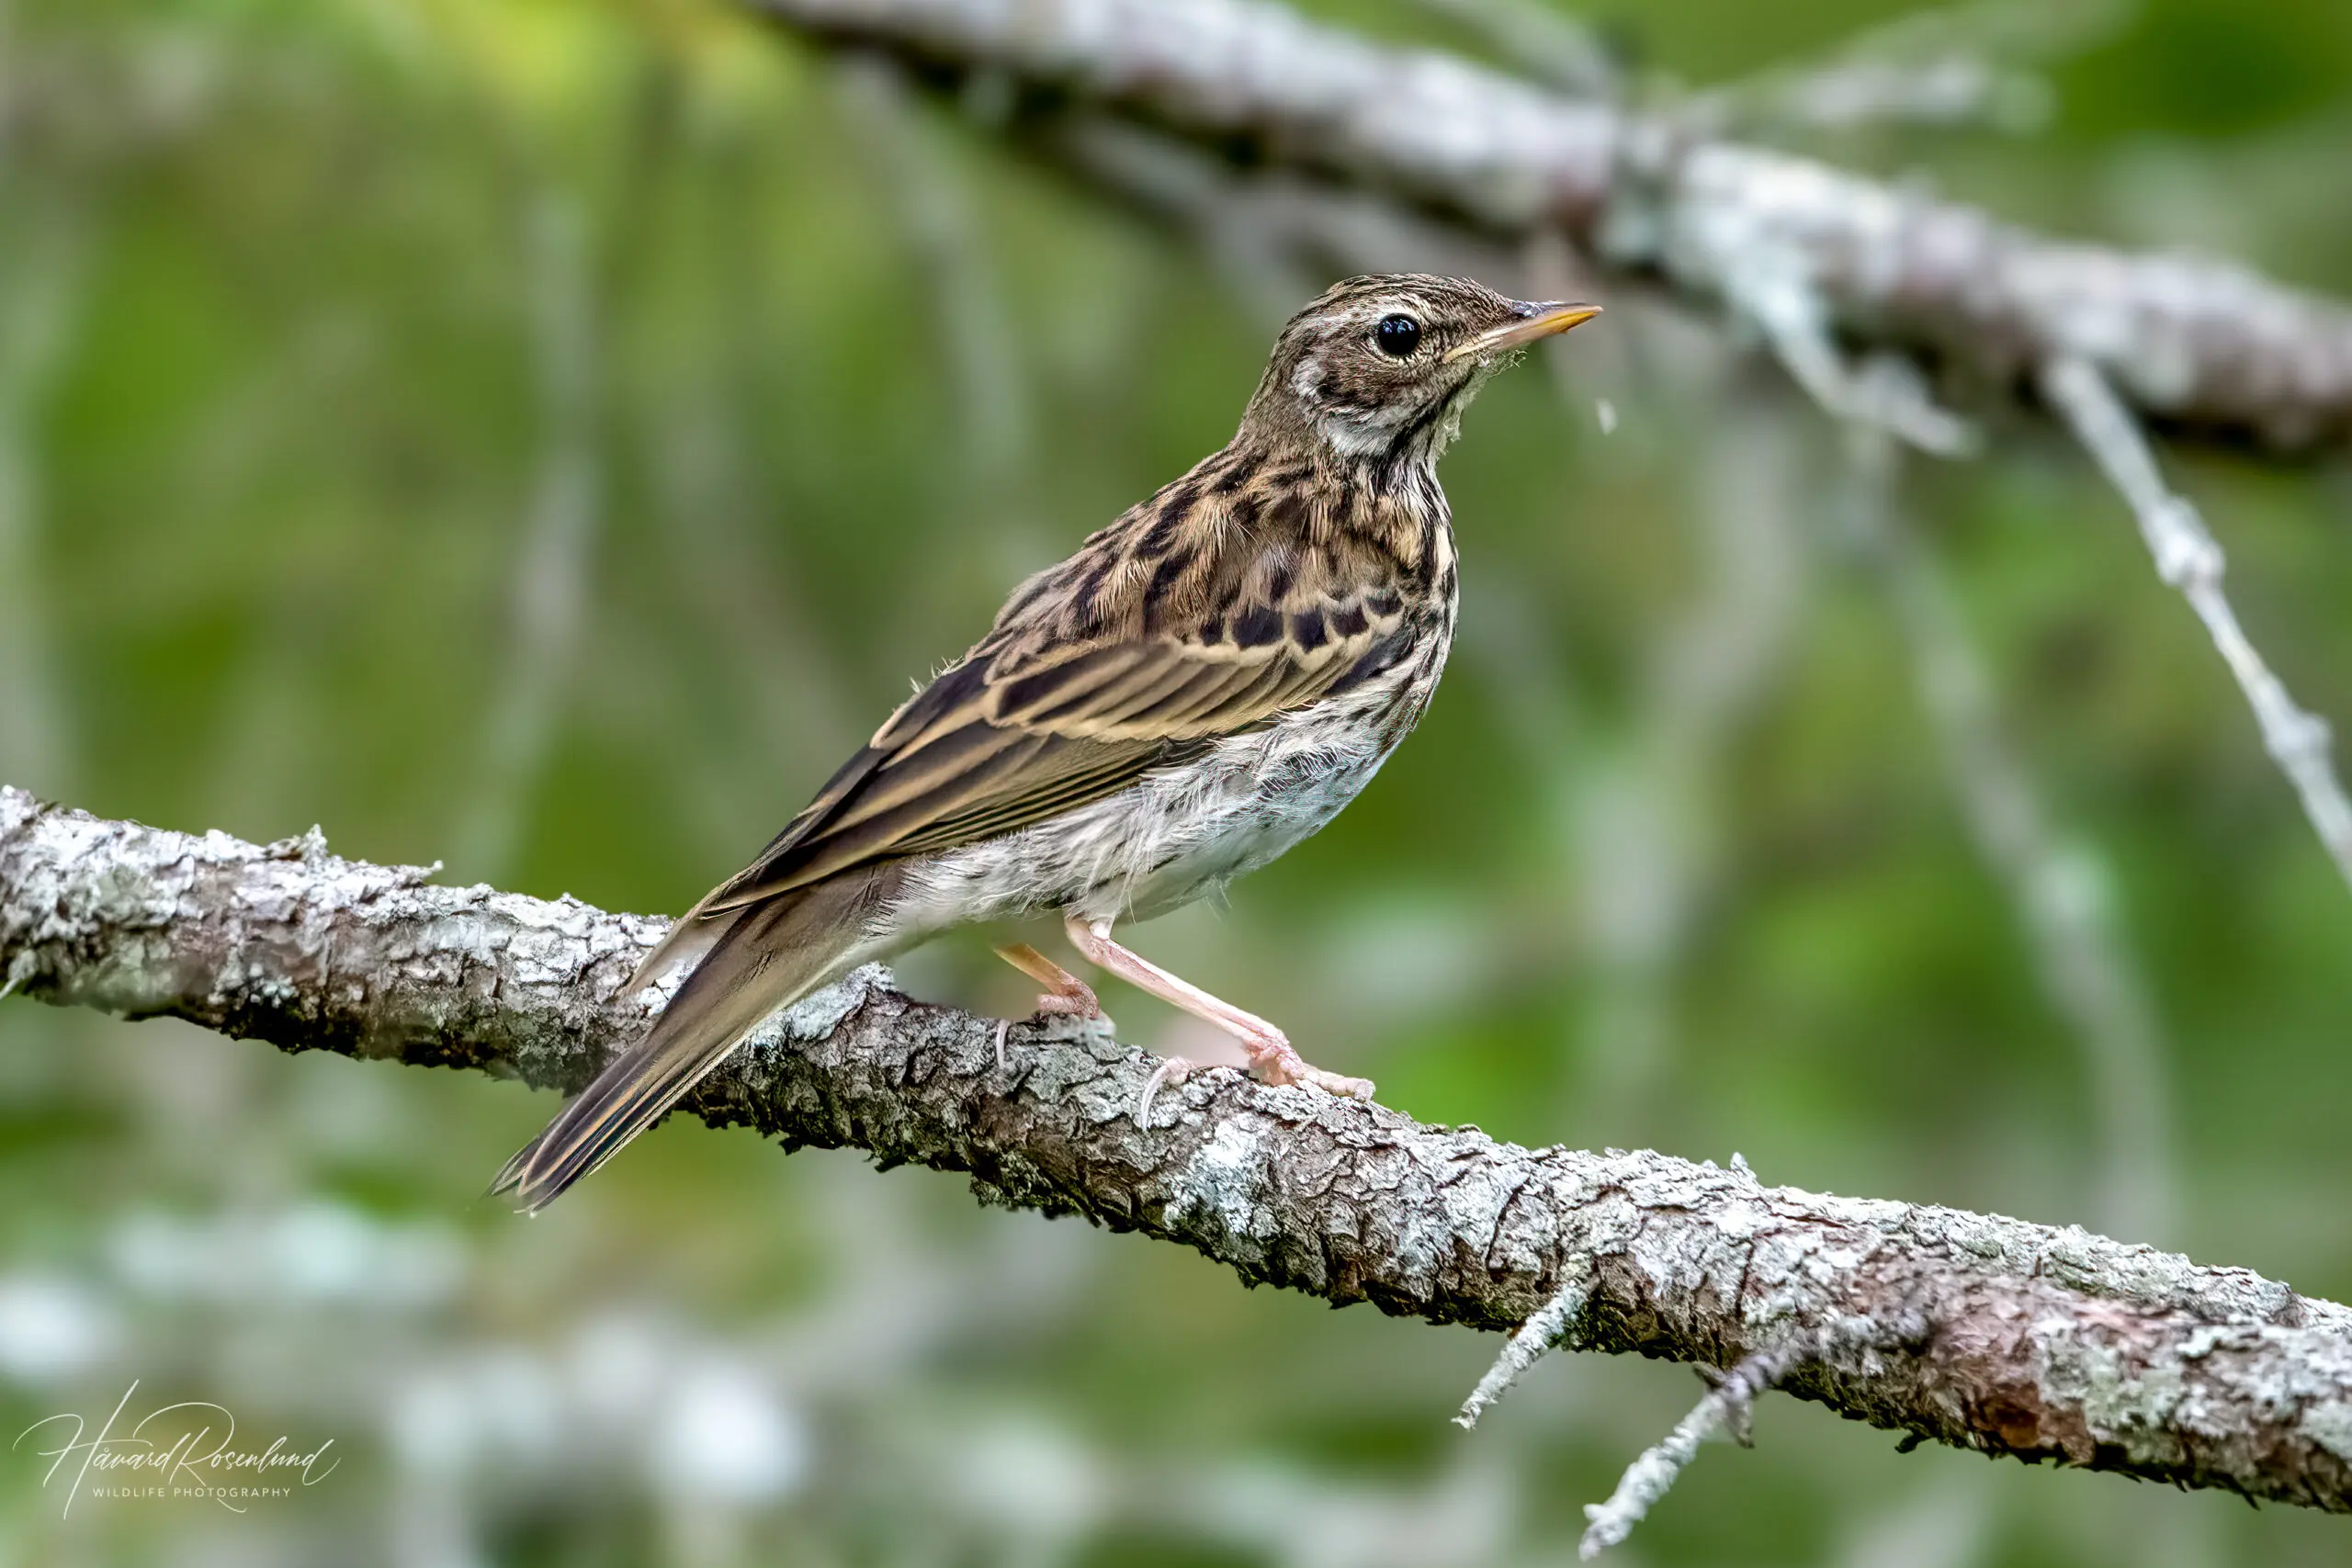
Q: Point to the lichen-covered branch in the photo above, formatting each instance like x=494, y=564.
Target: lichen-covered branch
x=1987, y=1333
x=2202, y=341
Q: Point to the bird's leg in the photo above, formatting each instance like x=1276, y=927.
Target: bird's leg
x=1065, y=993
x=1272, y=1059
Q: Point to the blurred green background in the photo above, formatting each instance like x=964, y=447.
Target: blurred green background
x=544, y=437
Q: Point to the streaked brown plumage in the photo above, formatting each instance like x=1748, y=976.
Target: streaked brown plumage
x=1206, y=681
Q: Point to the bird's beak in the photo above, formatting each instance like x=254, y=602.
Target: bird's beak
x=1534, y=322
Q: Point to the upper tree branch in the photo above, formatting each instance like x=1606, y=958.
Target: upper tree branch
x=1978, y=1331
x=2187, y=340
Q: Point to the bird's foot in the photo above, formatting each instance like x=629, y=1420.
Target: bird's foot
x=1078, y=1001
x=1272, y=1060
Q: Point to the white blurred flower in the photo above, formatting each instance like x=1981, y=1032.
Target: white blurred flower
x=724, y=1437
x=53, y=1329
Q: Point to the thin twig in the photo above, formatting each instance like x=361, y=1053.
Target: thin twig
x=950, y=249
x=2081, y=959
x=2084, y=961
x=1775, y=290
x=548, y=594
x=1648, y=1478
x=2189, y=558
x=1548, y=1328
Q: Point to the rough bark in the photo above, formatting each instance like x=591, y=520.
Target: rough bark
x=2195, y=342
x=1971, y=1329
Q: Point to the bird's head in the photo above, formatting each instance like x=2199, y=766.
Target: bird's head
x=1380, y=366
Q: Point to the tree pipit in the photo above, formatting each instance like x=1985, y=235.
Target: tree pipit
x=1203, y=685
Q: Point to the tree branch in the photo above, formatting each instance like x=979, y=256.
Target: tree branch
x=2202, y=341
x=1983, y=1332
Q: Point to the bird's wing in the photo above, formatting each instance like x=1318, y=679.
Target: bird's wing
x=1025, y=728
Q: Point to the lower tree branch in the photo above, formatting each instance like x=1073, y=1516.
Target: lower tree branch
x=1974, y=1330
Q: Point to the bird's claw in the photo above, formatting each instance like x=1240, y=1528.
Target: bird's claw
x=1078, y=1002
x=1173, y=1071
x=1273, y=1065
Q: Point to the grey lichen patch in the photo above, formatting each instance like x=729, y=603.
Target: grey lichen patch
x=2121, y=1401
x=1091, y=1078
x=17, y=808
x=2328, y=1423
x=1779, y=1279
x=1225, y=1184
x=818, y=1015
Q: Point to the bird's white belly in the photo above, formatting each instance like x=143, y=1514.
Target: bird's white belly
x=1238, y=808
x=1181, y=833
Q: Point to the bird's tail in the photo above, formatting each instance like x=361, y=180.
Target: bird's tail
x=755, y=960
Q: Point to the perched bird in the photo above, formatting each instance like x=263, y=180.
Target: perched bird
x=1203, y=685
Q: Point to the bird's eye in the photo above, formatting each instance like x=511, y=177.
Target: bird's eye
x=1397, y=336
